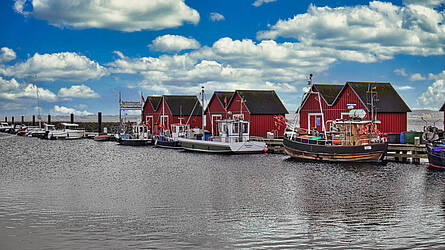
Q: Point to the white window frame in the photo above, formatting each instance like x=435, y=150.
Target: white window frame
x=309, y=119
x=211, y=121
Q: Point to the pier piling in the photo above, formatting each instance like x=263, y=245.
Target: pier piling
x=99, y=122
x=6, y=119
x=12, y=120
x=23, y=119
x=72, y=118
x=49, y=119
x=33, y=120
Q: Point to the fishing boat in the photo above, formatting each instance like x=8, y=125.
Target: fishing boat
x=167, y=139
x=5, y=127
x=234, y=138
x=139, y=136
x=352, y=139
x=435, y=147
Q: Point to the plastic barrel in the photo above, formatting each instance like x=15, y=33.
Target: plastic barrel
x=402, y=138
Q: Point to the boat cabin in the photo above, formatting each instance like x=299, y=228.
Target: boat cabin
x=179, y=130
x=233, y=130
x=49, y=127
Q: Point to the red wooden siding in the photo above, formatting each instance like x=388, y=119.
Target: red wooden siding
x=259, y=124
x=390, y=122
x=195, y=120
x=214, y=108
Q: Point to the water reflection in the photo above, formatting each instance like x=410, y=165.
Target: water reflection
x=84, y=194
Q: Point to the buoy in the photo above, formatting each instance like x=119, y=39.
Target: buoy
x=265, y=150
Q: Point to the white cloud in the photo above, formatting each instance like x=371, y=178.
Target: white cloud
x=400, y=72
x=377, y=31
x=434, y=96
x=416, y=77
x=258, y=3
x=405, y=87
x=229, y=64
x=62, y=110
x=176, y=43
x=12, y=90
x=78, y=91
x=215, y=16
x=58, y=66
x=6, y=55
x=128, y=16
x=430, y=3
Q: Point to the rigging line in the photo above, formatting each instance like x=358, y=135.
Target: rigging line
x=190, y=116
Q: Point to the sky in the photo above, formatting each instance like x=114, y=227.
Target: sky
x=77, y=55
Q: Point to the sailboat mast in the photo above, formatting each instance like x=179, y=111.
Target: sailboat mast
x=202, y=110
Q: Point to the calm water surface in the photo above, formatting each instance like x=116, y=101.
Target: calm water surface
x=90, y=195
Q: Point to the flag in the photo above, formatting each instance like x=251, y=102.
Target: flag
x=142, y=97
x=225, y=103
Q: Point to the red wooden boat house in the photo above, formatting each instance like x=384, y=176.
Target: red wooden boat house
x=260, y=107
x=172, y=109
x=149, y=109
x=217, y=110
x=329, y=102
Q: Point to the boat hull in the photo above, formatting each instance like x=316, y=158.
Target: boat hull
x=248, y=147
x=362, y=153
x=102, y=138
x=172, y=144
x=74, y=134
x=134, y=142
x=436, y=159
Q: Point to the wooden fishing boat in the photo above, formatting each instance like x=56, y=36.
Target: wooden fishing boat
x=234, y=138
x=102, y=137
x=139, y=136
x=436, y=154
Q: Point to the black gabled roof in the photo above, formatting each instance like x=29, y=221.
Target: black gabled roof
x=224, y=95
x=329, y=91
x=443, y=107
x=183, y=104
x=262, y=102
x=388, y=98
x=154, y=100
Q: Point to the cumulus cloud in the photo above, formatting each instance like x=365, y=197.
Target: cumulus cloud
x=434, y=96
x=416, y=77
x=229, y=64
x=12, y=90
x=128, y=16
x=400, y=72
x=176, y=43
x=430, y=3
x=215, y=16
x=258, y=3
x=58, y=66
x=78, y=91
x=6, y=55
x=374, y=32
x=62, y=110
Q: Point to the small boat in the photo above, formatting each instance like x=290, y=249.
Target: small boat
x=349, y=140
x=435, y=147
x=234, y=138
x=102, y=137
x=436, y=154
x=139, y=136
x=54, y=134
x=4, y=127
x=169, y=140
x=72, y=131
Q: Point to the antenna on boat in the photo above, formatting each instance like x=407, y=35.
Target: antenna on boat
x=39, y=117
x=202, y=110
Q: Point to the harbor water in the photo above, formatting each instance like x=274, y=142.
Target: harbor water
x=99, y=195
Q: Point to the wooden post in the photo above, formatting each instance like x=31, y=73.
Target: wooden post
x=33, y=120
x=72, y=118
x=49, y=119
x=12, y=120
x=23, y=119
x=416, y=159
x=6, y=119
x=99, y=122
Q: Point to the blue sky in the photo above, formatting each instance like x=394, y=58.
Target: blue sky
x=80, y=54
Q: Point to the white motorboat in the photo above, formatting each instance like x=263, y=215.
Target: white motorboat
x=54, y=134
x=234, y=138
x=4, y=127
x=72, y=131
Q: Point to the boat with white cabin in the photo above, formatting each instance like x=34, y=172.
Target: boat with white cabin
x=72, y=131
x=233, y=138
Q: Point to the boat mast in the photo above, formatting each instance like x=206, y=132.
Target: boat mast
x=39, y=117
x=202, y=112
x=323, y=127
